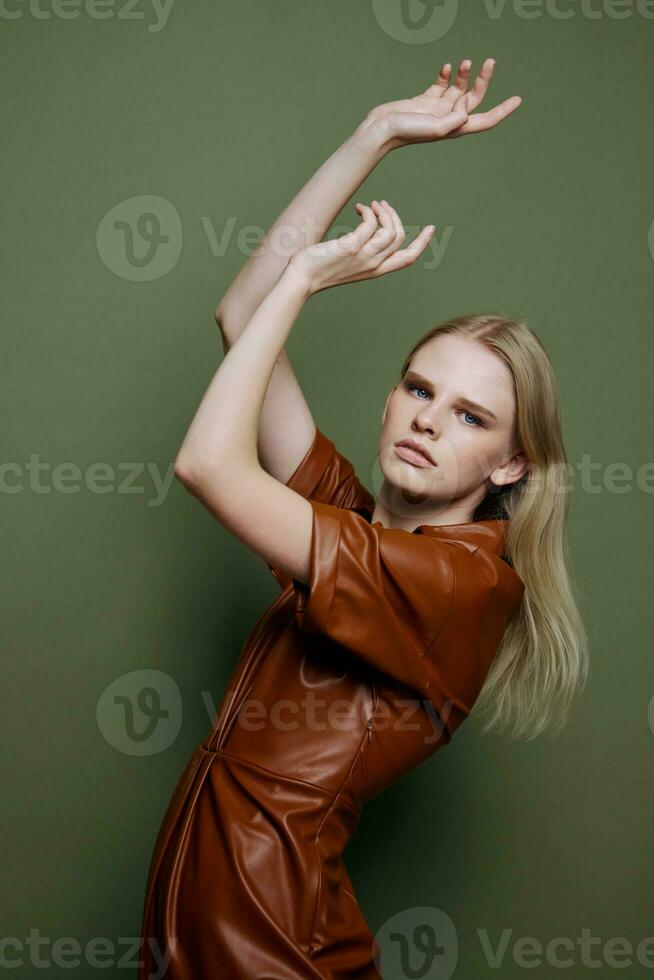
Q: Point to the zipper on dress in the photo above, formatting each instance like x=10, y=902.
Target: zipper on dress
x=370, y=721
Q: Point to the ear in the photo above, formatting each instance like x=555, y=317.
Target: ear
x=511, y=470
x=388, y=398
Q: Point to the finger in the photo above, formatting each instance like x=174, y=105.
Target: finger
x=353, y=240
x=482, y=81
x=460, y=82
x=397, y=229
x=463, y=75
x=481, y=121
x=385, y=234
x=407, y=256
x=365, y=211
x=400, y=233
x=365, y=229
x=442, y=83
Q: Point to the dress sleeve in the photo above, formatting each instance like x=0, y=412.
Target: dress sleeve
x=427, y=612
x=327, y=476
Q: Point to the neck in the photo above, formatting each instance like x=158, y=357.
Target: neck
x=395, y=510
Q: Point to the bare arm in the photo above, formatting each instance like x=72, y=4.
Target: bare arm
x=218, y=459
x=286, y=426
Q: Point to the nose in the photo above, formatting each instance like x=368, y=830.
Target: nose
x=426, y=420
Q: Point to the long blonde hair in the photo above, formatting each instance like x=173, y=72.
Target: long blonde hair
x=542, y=661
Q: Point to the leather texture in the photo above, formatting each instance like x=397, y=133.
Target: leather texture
x=342, y=686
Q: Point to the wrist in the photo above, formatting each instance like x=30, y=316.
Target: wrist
x=295, y=275
x=373, y=136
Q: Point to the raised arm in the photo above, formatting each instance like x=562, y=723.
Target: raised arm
x=443, y=111
x=286, y=427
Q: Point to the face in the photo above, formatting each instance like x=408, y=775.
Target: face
x=457, y=400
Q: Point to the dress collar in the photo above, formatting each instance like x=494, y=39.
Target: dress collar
x=489, y=533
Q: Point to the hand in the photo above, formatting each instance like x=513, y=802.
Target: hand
x=442, y=111
x=370, y=251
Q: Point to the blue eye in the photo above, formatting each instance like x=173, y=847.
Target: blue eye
x=474, y=418
x=411, y=387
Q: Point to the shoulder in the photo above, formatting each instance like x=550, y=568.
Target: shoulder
x=326, y=475
x=476, y=550
x=427, y=610
x=471, y=559
x=428, y=578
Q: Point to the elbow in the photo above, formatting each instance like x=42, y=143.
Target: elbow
x=222, y=316
x=198, y=479
x=186, y=472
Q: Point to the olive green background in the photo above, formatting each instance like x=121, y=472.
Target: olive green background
x=225, y=112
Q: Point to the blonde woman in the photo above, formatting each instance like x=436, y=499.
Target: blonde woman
x=396, y=615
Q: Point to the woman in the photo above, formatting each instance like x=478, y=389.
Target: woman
x=394, y=613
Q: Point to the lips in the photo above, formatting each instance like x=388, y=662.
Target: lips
x=415, y=452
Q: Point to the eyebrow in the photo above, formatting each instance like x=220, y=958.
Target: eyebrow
x=414, y=376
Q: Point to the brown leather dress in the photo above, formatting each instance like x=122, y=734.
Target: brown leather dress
x=342, y=686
